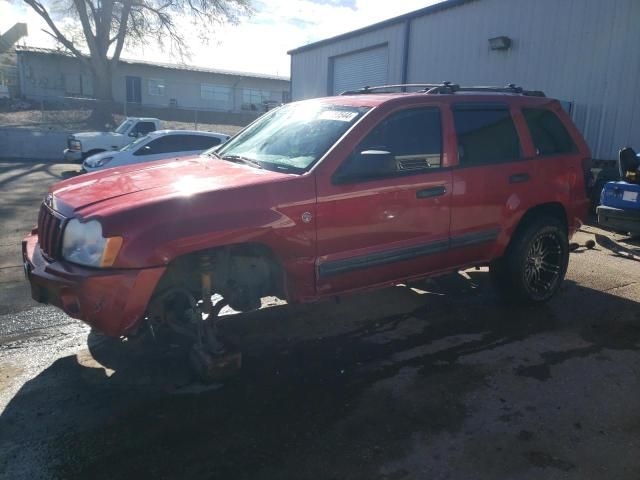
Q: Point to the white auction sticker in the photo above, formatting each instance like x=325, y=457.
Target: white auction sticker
x=338, y=115
x=630, y=196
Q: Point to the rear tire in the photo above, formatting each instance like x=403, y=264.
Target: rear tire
x=535, y=263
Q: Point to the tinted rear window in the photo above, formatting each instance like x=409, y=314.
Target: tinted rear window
x=486, y=134
x=548, y=133
x=165, y=144
x=201, y=142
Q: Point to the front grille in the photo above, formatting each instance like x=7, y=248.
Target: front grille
x=49, y=232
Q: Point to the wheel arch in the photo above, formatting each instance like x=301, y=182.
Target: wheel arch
x=189, y=264
x=550, y=209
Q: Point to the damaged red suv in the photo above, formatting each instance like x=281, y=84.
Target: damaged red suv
x=319, y=198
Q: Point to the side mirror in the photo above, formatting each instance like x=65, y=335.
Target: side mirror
x=378, y=161
x=368, y=164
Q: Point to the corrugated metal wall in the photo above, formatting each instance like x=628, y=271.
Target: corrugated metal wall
x=583, y=51
x=367, y=67
x=311, y=69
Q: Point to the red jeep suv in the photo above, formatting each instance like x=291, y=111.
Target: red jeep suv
x=319, y=198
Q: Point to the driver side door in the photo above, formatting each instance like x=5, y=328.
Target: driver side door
x=384, y=214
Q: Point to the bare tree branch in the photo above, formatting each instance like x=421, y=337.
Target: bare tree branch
x=40, y=10
x=109, y=26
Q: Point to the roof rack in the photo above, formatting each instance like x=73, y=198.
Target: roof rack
x=402, y=86
x=446, y=88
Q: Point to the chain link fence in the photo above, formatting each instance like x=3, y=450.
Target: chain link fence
x=73, y=114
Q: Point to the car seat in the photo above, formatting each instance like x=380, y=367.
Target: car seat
x=629, y=165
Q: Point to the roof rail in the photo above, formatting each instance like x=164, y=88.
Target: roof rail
x=448, y=88
x=402, y=86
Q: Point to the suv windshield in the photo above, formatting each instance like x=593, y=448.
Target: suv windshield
x=124, y=126
x=292, y=137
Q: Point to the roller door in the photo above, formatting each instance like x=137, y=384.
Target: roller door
x=356, y=70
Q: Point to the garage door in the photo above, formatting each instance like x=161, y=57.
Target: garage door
x=356, y=70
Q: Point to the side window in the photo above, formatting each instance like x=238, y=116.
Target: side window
x=142, y=128
x=406, y=141
x=166, y=144
x=548, y=133
x=486, y=134
x=200, y=142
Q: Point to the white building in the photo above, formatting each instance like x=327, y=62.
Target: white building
x=584, y=52
x=46, y=74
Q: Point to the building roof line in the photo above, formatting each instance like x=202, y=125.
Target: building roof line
x=170, y=66
x=438, y=7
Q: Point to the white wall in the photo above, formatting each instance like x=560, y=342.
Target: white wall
x=50, y=77
x=310, y=69
x=583, y=51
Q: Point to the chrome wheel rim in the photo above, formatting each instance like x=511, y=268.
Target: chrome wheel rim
x=543, y=266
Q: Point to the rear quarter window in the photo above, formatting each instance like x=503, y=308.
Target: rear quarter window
x=549, y=135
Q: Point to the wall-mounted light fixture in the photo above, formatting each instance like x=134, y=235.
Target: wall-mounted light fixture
x=500, y=43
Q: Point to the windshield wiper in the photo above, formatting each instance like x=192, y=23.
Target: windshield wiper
x=241, y=159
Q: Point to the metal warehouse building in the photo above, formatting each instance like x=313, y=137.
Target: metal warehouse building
x=583, y=52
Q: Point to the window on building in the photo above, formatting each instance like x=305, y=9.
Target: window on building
x=412, y=137
x=253, y=99
x=486, y=134
x=78, y=84
x=548, y=133
x=156, y=87
x=217, y=96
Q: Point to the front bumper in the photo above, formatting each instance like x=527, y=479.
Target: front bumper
x=112, y=301
x=618, y=219
x=72, y=155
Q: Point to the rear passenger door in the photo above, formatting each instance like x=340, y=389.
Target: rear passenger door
x=493, y=181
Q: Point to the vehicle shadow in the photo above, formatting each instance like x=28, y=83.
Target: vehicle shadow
x=331, y=389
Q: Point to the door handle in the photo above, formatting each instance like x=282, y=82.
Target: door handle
x=431, y=192
x=519, y=178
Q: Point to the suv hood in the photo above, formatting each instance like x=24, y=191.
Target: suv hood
x=121, y=187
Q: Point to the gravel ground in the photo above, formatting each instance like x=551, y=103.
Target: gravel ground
x=440, y=381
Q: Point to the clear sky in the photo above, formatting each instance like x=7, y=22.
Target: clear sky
x=259, y=44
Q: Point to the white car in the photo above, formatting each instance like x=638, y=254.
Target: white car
x=158, y=145
x=83, y=145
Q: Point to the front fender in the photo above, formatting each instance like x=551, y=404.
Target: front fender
x=268, y=214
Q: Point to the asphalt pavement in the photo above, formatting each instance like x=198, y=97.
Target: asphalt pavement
x=438, y=379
